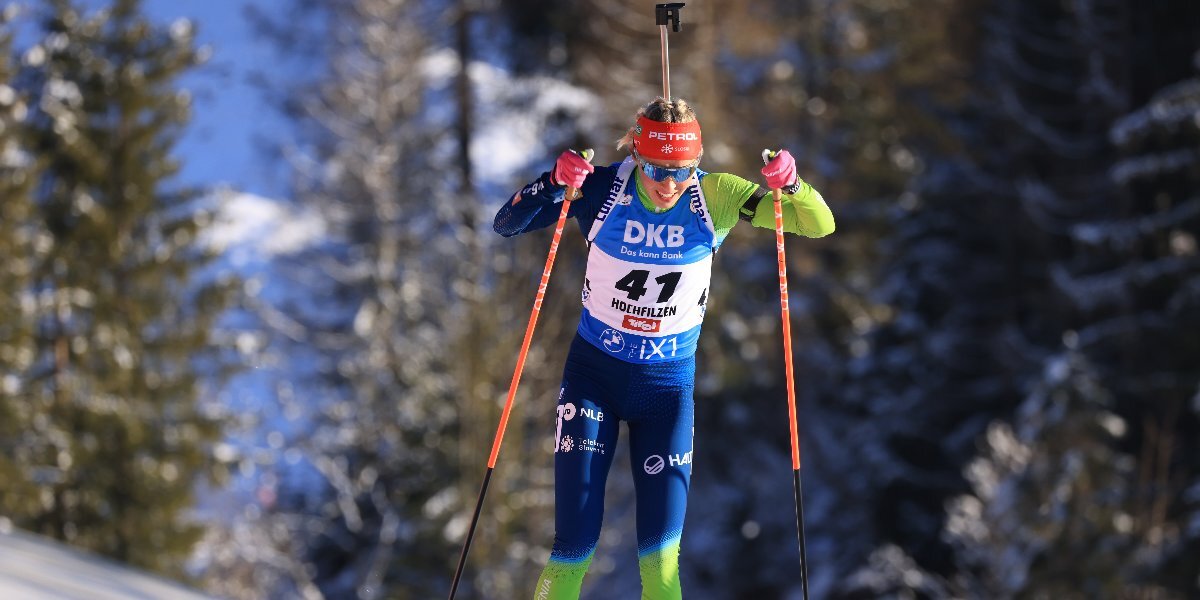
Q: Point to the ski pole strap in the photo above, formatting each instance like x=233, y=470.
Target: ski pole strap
x=750, y=206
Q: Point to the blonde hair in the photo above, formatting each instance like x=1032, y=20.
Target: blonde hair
x=664, y=111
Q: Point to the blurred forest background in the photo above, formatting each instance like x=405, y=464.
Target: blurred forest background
x=998, y=352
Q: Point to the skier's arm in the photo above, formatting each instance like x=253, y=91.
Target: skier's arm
x=809, y=215
x=535, y=206
x=732, y=198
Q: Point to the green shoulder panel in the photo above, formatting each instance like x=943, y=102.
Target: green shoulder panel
x=726, y=193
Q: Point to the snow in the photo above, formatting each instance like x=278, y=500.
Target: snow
x=514, y=114
x=503, y=145
x=250, y=223
x=36, y=568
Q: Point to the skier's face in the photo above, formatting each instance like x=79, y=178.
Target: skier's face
x=664, y=194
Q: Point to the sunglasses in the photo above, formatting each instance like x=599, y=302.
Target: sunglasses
x=657, y=173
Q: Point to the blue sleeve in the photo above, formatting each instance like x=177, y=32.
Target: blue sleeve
x=537, y=206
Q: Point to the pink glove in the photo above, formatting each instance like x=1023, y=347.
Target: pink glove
x=780, y=171
x=571, y=169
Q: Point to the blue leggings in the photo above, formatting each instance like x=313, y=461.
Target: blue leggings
x=655, y=400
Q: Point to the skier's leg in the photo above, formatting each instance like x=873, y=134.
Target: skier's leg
x=585, y=437
x=660, y=444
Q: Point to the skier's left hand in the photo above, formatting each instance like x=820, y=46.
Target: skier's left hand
x=780, y=171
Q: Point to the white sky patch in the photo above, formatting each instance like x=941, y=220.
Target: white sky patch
x=440, y=65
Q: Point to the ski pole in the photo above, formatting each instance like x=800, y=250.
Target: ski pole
x=665, y=14
x=571, y=194
x=767, y=155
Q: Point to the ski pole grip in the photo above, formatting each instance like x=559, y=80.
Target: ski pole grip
x=768, y=154
x=587, y=154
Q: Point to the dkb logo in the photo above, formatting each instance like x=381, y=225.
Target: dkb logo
x=652, y=235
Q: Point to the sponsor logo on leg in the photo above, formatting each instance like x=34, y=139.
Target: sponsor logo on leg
x=590, y=445
x=566, y=412
x=653, y=464
x=594, y=414
x=678, y=460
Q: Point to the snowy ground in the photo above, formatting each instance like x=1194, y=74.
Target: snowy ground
x=37, y=568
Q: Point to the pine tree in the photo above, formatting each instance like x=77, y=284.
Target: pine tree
x=364, y=513
x=19, y=241
x=1050, y=512
x=970, y=307
x=118, y=439
x=1086, y=498
x=1135, y=283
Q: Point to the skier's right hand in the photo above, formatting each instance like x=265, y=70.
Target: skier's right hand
x=780, y=170
x=571, y=169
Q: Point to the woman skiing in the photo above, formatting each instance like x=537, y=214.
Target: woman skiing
x=653, y=223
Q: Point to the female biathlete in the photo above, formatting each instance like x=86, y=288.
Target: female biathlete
x=653, y=223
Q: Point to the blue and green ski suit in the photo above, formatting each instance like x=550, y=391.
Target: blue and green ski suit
x=645, y=292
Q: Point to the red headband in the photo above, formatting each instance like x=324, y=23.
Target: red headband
x=656, y=140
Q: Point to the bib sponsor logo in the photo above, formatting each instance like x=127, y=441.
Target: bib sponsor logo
x=667, y=136
x=639, y=324
x=698, y=207
x=658, y=348
x=652, y=235
x=613, y=340
x=655, y=255
x=614, y=198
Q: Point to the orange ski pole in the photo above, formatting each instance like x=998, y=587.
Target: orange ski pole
x=571, y=194
x=791, y=383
